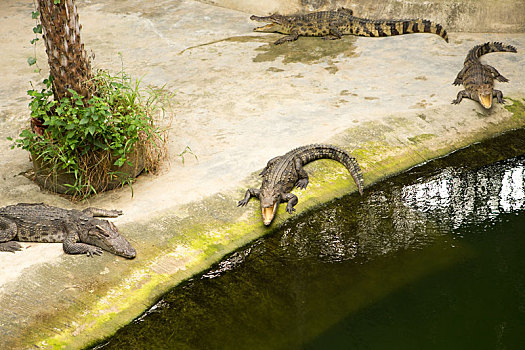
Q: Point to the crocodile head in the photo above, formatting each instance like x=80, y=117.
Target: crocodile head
x=484, y=92
x=278, y=23
x=104, y=234
x=270, y=199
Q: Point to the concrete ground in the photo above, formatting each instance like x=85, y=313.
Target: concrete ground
x=240, y=101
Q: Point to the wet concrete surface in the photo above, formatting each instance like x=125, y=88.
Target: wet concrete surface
x=240, y=101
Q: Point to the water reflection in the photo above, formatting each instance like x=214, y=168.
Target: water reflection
x=460, y=197
x=382, y=224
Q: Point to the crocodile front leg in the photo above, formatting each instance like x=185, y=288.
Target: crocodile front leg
x=292, y=201
x=292, y=37
x=8, y=231
x=10, y=246
x=461, y=95
x=498, y=95
x=71, y=245
x=102, y=212
x=251, y=192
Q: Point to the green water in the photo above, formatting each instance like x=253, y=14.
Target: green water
x=430, y=259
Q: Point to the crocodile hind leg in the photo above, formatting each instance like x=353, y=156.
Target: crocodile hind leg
x=8, y=231
x=102, y=212
x=292, y=37
x=498, y=95
x=292, y=201
x=459, y=78
x=496, y=74
x=334, y=33
x=269, y=164
x=461, y=95
x=251, y=192
x=71, y=245
x=302, y=174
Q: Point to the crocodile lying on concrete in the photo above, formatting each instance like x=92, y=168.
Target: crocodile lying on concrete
x=334, y=24
x=80, y=231
x=478, y=78
x=282, y=173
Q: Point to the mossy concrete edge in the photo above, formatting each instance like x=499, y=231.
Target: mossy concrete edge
x=209, y=230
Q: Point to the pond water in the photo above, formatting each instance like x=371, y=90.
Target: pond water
x=429, y=259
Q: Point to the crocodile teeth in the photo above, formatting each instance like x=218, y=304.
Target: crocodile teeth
x=485, y=100
x=268, y=27
x=268, y=213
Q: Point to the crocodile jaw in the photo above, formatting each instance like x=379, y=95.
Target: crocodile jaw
x=267, y=28
x=485, y=100
x=268, y=213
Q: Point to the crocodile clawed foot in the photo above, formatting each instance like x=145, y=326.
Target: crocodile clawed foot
x=242, y=203
x=10, y=246
x=331, y=37
x=94, y=251
x=302, y=183
x=290, y=209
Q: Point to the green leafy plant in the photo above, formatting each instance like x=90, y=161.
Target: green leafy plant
x=92, y=138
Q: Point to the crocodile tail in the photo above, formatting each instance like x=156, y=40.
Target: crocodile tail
x=310, y=153
x=479, y=50
x=366, y=27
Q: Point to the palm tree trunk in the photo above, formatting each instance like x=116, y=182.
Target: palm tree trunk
x=68, y=61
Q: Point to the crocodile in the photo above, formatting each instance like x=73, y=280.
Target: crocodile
x=79, y=231
x=283, y=173
x=334, y=24
x=478, y=78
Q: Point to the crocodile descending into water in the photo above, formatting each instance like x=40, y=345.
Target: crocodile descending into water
x=282, y=173
x=478, y=78
x=79, y=231
x=334, y=24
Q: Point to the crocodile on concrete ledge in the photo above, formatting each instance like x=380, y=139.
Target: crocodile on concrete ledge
x=478, y=78
x=334, y=24
x=79, y=231
x=282, y=173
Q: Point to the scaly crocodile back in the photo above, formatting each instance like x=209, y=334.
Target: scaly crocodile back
x=479, y=50
x=38, y=222
x=312, y=17
x=313, y=152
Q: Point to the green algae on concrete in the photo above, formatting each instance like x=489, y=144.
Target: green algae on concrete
x=420, y=138
x=517, y=108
